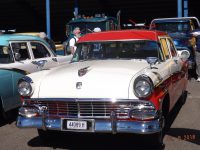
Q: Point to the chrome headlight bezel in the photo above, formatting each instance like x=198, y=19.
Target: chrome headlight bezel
x=143, y=86
x=25, y=86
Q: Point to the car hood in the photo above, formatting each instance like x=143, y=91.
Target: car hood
x=91, y=79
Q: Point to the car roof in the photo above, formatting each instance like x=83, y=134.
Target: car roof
x=29, y=33
x=122, y=35
x=5, y=38
x=175, y=19
x=95, y=19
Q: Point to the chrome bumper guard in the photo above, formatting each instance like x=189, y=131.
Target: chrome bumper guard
x=103, y=126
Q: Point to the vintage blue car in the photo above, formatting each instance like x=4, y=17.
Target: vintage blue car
x=9, y=97
x=28, y=53
x=20, y=55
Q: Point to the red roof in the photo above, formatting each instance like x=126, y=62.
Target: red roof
x=122, y=35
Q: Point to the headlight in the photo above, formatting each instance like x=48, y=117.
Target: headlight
x=25, y=86
x=143, y=86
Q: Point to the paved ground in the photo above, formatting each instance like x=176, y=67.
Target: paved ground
x=184, y=133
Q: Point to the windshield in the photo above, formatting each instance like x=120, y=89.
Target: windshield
x=172, y=27
x=5, y=55
x=88, y=27
x=138, y=49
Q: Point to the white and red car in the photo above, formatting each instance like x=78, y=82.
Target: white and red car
x=117, y=82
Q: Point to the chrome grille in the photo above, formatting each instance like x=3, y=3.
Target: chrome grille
x=87, y=109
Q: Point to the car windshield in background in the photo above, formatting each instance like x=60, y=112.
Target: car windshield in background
x=5, y=55
x=172, y=27
x=137, y=49
x=88, y=27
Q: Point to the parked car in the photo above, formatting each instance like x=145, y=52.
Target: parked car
x=21, y=55
x=180, y=30
x=9, y=97
x=28, y=53
x=118, y=82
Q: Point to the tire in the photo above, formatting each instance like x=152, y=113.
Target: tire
x=8, y=116
x=157, y=138
x=183, y=97
x=3, y=115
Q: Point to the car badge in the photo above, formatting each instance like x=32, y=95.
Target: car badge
x=78, y=85
x=82, y=71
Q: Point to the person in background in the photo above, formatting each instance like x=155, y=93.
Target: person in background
x=196, y=34
x=49, y=41
x=74, y=39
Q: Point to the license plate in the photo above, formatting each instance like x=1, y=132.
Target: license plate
x=76, y=125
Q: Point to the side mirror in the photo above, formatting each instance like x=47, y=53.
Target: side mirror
x=152, y=61
x=184, y=54
x=17, y=56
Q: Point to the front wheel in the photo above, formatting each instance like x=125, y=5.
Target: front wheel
x=158, y=137
x=183, y=97
x=7, y=116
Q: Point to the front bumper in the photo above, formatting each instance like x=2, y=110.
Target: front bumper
x=101, y=126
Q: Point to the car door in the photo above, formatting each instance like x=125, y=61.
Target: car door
x=169, y=64
x=176, y=69
x=24, y=59
x=173, y=64
x=42, y=55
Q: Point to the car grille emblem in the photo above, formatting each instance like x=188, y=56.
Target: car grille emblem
x=78, y=85
x=82, y=71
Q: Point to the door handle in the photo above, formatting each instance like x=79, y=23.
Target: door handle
x=55, y=59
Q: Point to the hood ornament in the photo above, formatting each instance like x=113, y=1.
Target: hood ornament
x=82, y=71
x=78, y=85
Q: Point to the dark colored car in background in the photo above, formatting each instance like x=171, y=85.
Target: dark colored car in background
x=180, y=30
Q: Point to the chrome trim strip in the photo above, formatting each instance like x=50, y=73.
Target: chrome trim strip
x=87, y=99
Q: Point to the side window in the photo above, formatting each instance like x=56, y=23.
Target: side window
x=5, y=55
x=22, y=49
x=39, y=50
x=195, y=23
x=192, y=27
x=172, y=48
x=165, y=48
